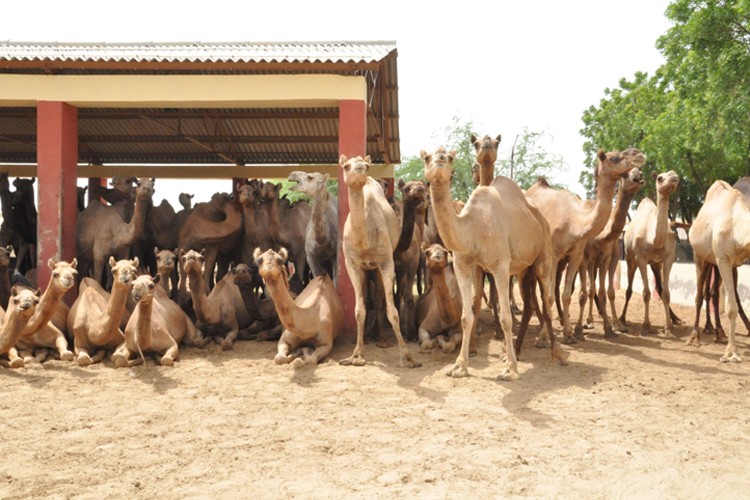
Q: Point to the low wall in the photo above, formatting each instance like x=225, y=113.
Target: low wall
x=682, y=283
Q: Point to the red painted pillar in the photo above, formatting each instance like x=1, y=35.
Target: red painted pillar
x=57, y=159
x=352, y=142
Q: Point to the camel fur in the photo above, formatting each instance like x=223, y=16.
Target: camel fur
x=315, y=318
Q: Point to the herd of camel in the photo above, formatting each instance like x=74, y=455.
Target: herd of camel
x=252, y=265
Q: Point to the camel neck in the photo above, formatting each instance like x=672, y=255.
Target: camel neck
x=164, y=279
x=618, y=216
x=197, y=287
x=445, y=216
x=45, y=309
x=486, y=172
x=407, y=226
x=294, y=317
x=595, y=218
x=273, y=219
x=143, y=324
x=248, y=218
x=448, y=307
x=357, y=217
x=135, y=226
x=662, y=219
x=319, y=207
x=11, y=330
x=115, y=310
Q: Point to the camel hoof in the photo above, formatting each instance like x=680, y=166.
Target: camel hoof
x=472, y=352
x=451, y=346
x=561, y=356
x=84, y=360
x=262, y=336
x=382, y=343
x=609, y=333
x=509, y=375
x=353, y=361
x=17, y=363
x=119, y=361
x=458, y=371
x=668, y=335
x=280, y=359
x=721, y=338
x=427, y=346
x=226, y=345
x=407, y=361
x=542, y=343
x=588, y=325
x=66, y=356
x=298, y=363
x=167, y=360
x=646, y=330
x=693, y=340
x=731, y=357
x=568, y=340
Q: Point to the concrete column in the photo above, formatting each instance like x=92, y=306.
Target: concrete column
x=57, y=159
x=352, y=142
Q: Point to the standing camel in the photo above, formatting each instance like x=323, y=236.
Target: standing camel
x=498, y=232
x=573, y=221
x=720, y=235
x=370, y=237
x=649, y=240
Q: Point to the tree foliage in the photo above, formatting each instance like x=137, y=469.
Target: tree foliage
x=693, y=114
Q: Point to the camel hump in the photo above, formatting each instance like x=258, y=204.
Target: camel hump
x=542, y=181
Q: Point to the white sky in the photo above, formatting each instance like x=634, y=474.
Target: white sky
x=504, y=65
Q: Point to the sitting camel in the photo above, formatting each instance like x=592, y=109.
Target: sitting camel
x=370, y=236
x=157, y=325
x=649, y=240
x=314, y=319
x=266, y=325
x=438, y=311
x=97, y=317
x=46, y=329
x=21, y=307
x=220, y=313
x=720, y=236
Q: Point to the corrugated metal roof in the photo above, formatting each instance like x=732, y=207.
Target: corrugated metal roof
x=341, y=51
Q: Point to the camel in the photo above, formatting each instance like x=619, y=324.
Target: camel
x=186, y=200
x=248, y=195
x=160, y=231
x=498, y=232
x=321, y=234
x=650, y=241
x=574, y=221
x=288, y=224
x=97, y=317
x=211, y=226
x=220, y=313
x=25, y=215
x=46, y=329
x=719, y=236
x=166, y=267
x=5, y=253
x=157, y=325
x=266, y=325
x=21, y=307
x=102, y=233
x=601, y=253
x=370, y=236
x=15, y=228
x=438, y=311
x=314, y=319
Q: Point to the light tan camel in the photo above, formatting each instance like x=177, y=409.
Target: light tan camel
x=97, y=317
x=102, y=233
x=438, y=310
x=46, y=329
x=602, y=251
x=21, y=306
x=574, y=221
x=157, y=325
x=370, y=236
x=221, y=313
x=266, y=324
x=649, y=240
x=321, y=234
x=498, y=232
x=314, y=319
x=720, y=235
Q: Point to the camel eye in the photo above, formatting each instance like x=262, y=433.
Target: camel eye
x=55, y=274
x=660, y=178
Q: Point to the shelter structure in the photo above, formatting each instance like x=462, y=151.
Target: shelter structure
x=190, y=110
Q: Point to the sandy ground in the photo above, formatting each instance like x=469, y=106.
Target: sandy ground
x=634, y=418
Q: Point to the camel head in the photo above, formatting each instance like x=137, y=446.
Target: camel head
x=243, y=276
x=616, y=164
x=145, y=188
x=5, y=253
x=64, y=275
x=4, y=184
x=486, y=148
x=272, y=266
x=475, y=174
x=192, y=261
x=24, y=185
x=269, y=192
x=438, y=165
x=633, y=181
x=123, y=271
x=24, y=300
x=123, y=183
x=355, y=170
x=248, y=194
x=436, y=257
x=310, y=183
x=666, y=182
x=144, y=287
x=414, y=193
x=165, y=260
x=186, y=200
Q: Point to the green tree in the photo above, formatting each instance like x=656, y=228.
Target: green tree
x=527, y=160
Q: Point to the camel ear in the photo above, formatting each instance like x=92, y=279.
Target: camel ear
x=9, y=249
x=156, y=250
x=74, y=263
x=157, y=278
x=112, y=261
x=472, y=139
x=499, y=138
x=368, y=160
x=423, y=154
x=401, y=184
x=342, y=160
x=135, y=262
x=654, y=175
x=203, y=252
x=180, y=253
x=425, y=246
x=601, y=154
x=51, y=263
x=278, y=186
x=257, y=253
x=284, y=253
x=452, y=153
x=325, y=178
x=14, y=291
x=38, y=292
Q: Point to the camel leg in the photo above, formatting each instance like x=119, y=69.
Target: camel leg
x=388, y=276
x=61, y=344
x=464, y=277
x=711, y=288
x=643, y=268
x=556, y=288
x=425, y=341
x=725, y=269
x=591, y=268
x=611, y=270
x=322, y=349
x=492, y=301
x=582, y=298
x=740, y=309
x=15, y=360
x=666, y=267
x=172, y=354
x=501, y=275
x=528, y=283
x=659, y=286
x=702, y=270
x=603, y=271
x=284, y=347
x=121, y=357
x=513, y=306
x=630, y=261
x=356, y=275
x=570, y=274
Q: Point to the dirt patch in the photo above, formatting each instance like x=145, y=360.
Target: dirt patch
x=631, y=417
